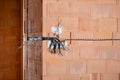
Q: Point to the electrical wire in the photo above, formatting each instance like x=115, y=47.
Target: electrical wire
x=92, y=39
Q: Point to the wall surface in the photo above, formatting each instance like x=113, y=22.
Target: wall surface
x=86, y=60
x=32, y=49
x=10, y=40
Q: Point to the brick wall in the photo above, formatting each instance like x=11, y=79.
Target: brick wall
x=10, y=40
x=86, y=60
x=32, y=49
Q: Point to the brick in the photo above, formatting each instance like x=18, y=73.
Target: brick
x=105, y=27
x=48, y=22
x=92, y=35
x=25, y=75
x=10, y=39
x=118, y=25
x=109, y=76
x=47, y=56
x=113, y=66
x=89, y=52
x=107, y=2
x=116, y=36
x=70, y=78
x=56, y=68
x=8, y=49
x=96, y=66
x=114, y=11
x=44, y=68
x=98, y=11
x=87, y=24
x=102, y=35
x=1, y=39
x=118, y=53
x=8, y=31
x=31, y=15
x=72, y=53
x=9, y=13
x=67, y=24
x=50, y=1
x=118, y=2
x=31, y=65
x=11, y=21
x=85, y=77
x=65, y=35
x=82, y=35
x=1, y=75
x=13, y=4
x=34, y=2
x=12, y=75
x=5, y=66
x=88, y=2
x=31, y=51
x=83, y=43
x=50, y=78
x=110, y=52
x=95, y=76
x=58, y=8
x=53, y=57
x=103, y=43
x=78, y=67
x=45, y=8
x=80, y=9
x=64, y=8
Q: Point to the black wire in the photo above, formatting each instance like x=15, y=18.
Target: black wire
x=92, y=39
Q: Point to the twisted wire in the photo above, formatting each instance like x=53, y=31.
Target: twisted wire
x=92, y=39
